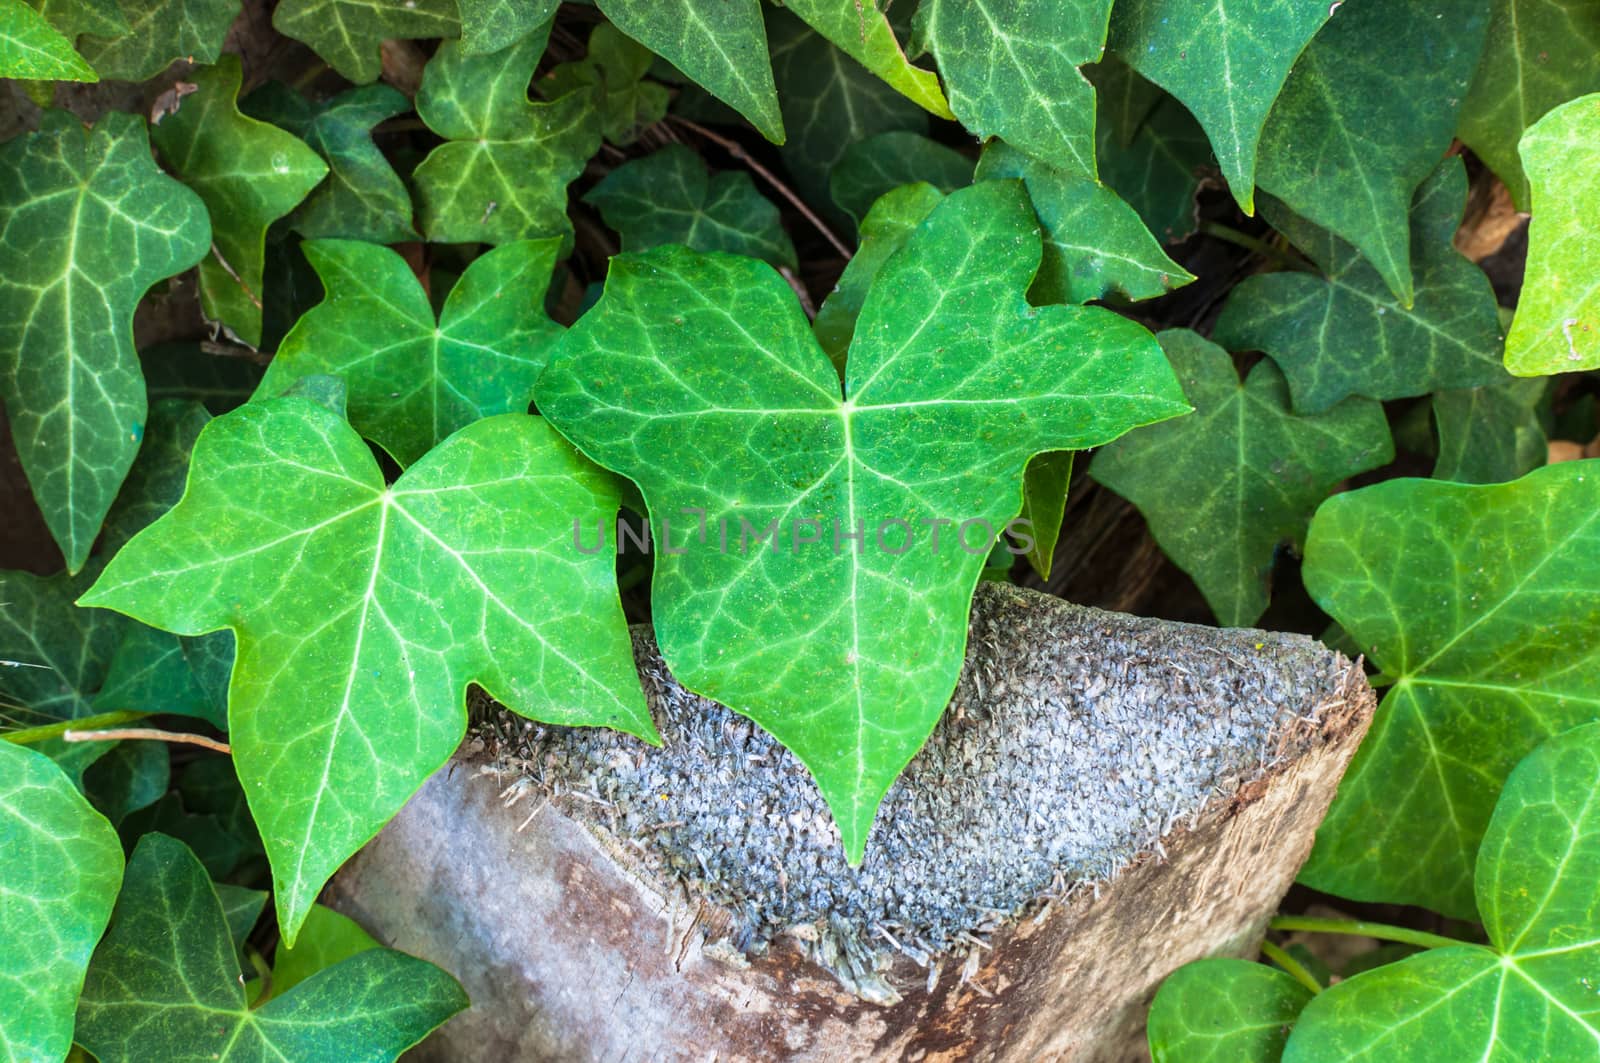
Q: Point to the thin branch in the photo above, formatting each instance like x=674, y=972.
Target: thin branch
x=179, y=737
x=1291, y=966
x=734, y=148
x=1382, y=931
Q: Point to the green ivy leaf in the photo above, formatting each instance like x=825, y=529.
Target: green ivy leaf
x=249, y=174
x=131, y=776
x=698, y=377
x=62, y=865
x=428, y=377
x=326, y=940
x=71, y=18
x=241, y=910
x=31, y=48
x=1363, y=119
x=1492, y=433
x=872, y=167
x=1540, y=53
x=862, y=30
x=1011, y=71
x=1045, y=483
x=348, y=34
x=1557, y=327
x=1094, y=243
x=1150, y=150
x=722, y=46
x=158, y=33
x=362, y=198
x=1224, y=1011
x=1224, y=488
x=149, y=672
x=1479, y=603
x=504, y=173
x=614, y=71
x=490, y=25
x=87, y=224
x=348, y=688
x=667, y=198
x=1345, y=334
x=1226, y=60
x=1530, y=993
x=153, y=993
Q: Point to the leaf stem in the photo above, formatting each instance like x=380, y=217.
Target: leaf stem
x=1291, y=966
x=29, y=735
x=147, y=733
x=1233, y=236
x=734, y=148
x=1361, y=928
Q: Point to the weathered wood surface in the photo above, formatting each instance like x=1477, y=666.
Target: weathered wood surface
x=1107, y=799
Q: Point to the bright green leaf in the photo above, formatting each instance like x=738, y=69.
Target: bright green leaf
x=1540, y=54
x=871, y=168
x=427, y=377
x=87, y=224
x=348, y=34
x=722, y=46
x=1226, y=60
x=362, y=198
x=1528, y=995
x=1479, y=602
x=155, y=993
x=60, y=873
x=349, y=684
x=698, y=377
x=863, y=31
x=31, y=48
x=1224, y=488
x=160, y=32
x=327, y=938
x=1011, y=71
x=1346, y=334
x=614, y=71
x=504, y=172
x=1492, y=433
x=490, y=25
x=667, y=198
x=1224, y=1011
x=1364, y=118
x=1557, y=327
x=249, y=173
x=1094, y=243
x=1151, y=151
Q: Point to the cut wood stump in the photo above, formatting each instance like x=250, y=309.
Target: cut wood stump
x=1106, y=798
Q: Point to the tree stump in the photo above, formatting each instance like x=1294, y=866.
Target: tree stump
x=1106, y=799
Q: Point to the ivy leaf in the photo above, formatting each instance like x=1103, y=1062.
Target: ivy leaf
x=710, y=356
x=1226, y=60
x=863, y=32
x=873, y=167
x=667, y=198
x=490, y=25
x=722, y=46
x=504, y=173
x=62, y=866
x=31, y=49
x=249, y=174
x=1345, y=334
x=131, y=776
x=348, y=688
x=190, y=371
x=428, y=377
x=614, y=71
x=1011, y=71
x=1479, y=603
x=72, y=18
x=149, y=672
x=1492, y=433
x=1224, y=1011
x=156, y=994
x=1529, y=993
x=1223, y=488
x=348, y=34
x=1557, y=326
x=1045, y=484
x=1360, y=125
x=158, y=33
x=326, y=940
x=1150, y=150
x=87, y=224
x=1540, y=53
x=362, y=198
x=1094, y=243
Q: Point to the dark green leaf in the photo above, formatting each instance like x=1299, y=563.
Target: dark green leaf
x=1044, y=505
x=613, y=71
x=1492, y=433
x=73, y=17
x=872, y=167
x=490, y=25
x=158, y=33
x=1224, y=1011
x=189, y=371
x=347, y=34
x=241, y=910
x=131, y=776
x=1151, y=151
